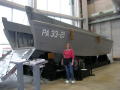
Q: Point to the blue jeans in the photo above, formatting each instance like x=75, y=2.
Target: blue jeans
x=69, y=72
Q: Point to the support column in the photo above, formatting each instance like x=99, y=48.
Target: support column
x=35, y=4
x=77, y=12
x=20, y=77
x=85, y=14
x=36, y=77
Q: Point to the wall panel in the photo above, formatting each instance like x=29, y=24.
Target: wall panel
x=110, y=30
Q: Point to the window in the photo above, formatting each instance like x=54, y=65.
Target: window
x=5, y=12
x=66, y=7
x=58, y=6
x=42, y=4
x=3, y=38
x=20, y=17
x=67, y=21
x=54, y=6
x=22, y=2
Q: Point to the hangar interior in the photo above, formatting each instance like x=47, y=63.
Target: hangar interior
x=37, y=31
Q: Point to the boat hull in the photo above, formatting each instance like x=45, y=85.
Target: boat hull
x=52, y=38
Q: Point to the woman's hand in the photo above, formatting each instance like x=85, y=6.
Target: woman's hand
x=72, y=62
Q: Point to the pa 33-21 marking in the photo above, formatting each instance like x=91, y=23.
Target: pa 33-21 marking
x=53, y=33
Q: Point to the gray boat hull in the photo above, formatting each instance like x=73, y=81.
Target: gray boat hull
x=18, y=35
x=52, y=35
x=52, y=38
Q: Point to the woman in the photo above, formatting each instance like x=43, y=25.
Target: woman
x=68, y=61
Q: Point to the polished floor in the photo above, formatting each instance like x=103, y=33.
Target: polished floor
x=106, y=78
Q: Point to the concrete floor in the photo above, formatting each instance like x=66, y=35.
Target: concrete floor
x=106, y=78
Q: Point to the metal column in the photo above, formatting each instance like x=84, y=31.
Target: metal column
x=36, y=77
x=20, y=77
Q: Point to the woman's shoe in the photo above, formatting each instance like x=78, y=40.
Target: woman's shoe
x=73, y=81
x=67, y=81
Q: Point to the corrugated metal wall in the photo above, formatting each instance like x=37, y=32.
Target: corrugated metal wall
x=111, y=30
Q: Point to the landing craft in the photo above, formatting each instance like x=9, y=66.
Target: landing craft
x=52, y=35
x=49, y=35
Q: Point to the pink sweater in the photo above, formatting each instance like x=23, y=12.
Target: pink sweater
x=68, y=53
